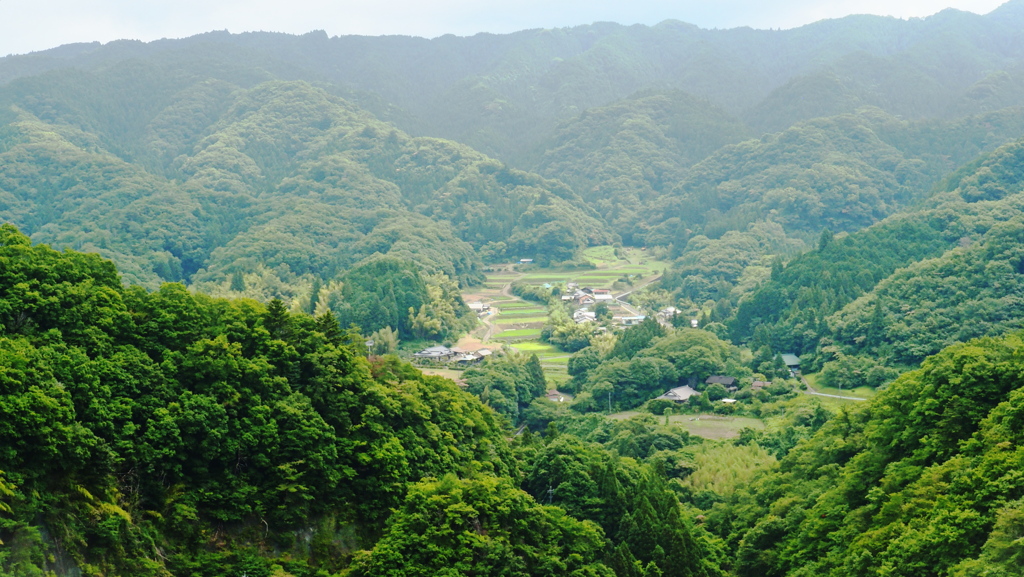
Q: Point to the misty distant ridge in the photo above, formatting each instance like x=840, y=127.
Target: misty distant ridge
x=502, y=93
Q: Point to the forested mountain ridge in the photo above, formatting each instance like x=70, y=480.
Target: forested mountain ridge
x=502, y=93
x=652, y=150
x=131, y=416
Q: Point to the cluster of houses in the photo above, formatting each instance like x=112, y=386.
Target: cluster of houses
x=454, y=354
x=683, y=393
x=667, y=314
x=586, y=297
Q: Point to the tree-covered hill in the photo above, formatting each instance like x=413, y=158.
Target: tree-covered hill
x=944, y=271
x=732, y=213
x=283, y=176
x=639, y=123
x=924, y=480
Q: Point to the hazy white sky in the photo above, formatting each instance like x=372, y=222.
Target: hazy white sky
x=28, y=25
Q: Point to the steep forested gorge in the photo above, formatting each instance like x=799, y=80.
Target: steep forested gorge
x=185, y=387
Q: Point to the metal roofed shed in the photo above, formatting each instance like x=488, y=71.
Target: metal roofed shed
x=438, y=352
x=679, y=394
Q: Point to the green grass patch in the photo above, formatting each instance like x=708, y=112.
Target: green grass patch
x=600, y=254
x=859, y=392
x=544, y=351
x=446, y=373
x=536, y=347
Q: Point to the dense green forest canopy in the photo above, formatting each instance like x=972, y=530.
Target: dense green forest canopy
x=169, y=433
x=922, y=481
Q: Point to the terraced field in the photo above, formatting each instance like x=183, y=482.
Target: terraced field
x=519, y=322
x=518, y=334
x=519, y=306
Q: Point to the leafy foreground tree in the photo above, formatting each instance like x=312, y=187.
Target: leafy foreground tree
x=169, y=433
x=482, y=525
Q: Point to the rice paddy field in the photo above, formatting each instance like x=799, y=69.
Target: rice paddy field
x=513, y=303
x=523, y=334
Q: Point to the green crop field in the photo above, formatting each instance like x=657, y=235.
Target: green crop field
x=527, y=314
x=503, y=320
x=521, y=306
x=518, y=313
x=545, y=279
x=519, y=334
x=542, y=350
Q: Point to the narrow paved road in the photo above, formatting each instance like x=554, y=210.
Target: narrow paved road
x=835, y=396
x=810, y=391
x=630, y=308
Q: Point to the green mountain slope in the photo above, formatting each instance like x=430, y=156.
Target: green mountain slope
x=623, y=155
x=943, y=272
x=135, y=425
x=284, y=176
